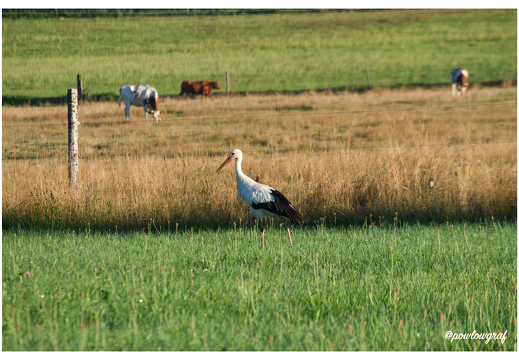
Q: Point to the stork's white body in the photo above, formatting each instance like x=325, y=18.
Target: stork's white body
x=263, y=200
x=252, y=192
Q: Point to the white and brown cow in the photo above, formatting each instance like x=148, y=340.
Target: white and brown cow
x=140, y=95
x=459, y=81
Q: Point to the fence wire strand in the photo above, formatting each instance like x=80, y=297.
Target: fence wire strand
x=268, y=116
x=265, y=151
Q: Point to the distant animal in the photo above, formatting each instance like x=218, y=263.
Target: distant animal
x=262, y=199
x=459, y=81
x=198, y=87
x=140, y=95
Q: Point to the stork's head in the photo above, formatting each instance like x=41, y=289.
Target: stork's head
x=235, y=154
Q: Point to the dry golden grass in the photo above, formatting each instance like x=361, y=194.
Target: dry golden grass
x=383, y=165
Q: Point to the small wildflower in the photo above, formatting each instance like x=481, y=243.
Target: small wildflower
x=95, y=269
x=27, y=273
x=212, y=266
x=441, y=317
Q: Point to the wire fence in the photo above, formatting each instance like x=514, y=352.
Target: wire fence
x=308, y=151
x=10, y=156
x=505, y=70
x=242, y=83
x=223, y=118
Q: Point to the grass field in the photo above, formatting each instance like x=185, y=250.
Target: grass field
x=373, y=287
x=286, y=52
x=344, y=167
x=409, y=195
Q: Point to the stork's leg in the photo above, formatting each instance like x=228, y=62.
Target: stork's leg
x=288, y=229
x=262, y=233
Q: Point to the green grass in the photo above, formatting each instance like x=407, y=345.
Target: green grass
x=275, y=52
x=336, y=289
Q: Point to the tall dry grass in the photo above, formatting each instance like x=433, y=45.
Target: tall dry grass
x=347, y=167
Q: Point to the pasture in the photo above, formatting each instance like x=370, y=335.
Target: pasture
x=276, y=52
x=371, y=287
x=409, y=195
x=339, y=156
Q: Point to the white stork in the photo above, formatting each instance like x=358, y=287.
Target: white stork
x=262, y=199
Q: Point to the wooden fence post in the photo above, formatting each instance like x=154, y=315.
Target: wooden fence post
x=73, y=147
x=79, y=88
x=369, y=78
x=227, y=77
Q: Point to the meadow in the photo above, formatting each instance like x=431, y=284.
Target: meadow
x=275, y=52
x=338, y=156
x=409, y=195
x=370, y=287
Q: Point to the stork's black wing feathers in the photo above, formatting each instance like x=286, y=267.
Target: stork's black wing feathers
x=282, y=207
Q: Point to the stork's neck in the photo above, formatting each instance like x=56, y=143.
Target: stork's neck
x=240, y=176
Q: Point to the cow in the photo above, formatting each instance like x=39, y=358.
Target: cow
x=140, y=95
x=459, y=81
x=198, y=87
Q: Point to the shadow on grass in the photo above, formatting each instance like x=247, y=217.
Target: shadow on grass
x=62, y=100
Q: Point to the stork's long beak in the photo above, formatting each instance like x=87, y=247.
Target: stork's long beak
x=228, y=160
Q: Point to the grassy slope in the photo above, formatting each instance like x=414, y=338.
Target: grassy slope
x=264, y=52
x=335, y=289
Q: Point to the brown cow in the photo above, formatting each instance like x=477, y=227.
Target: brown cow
x=198, y=87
